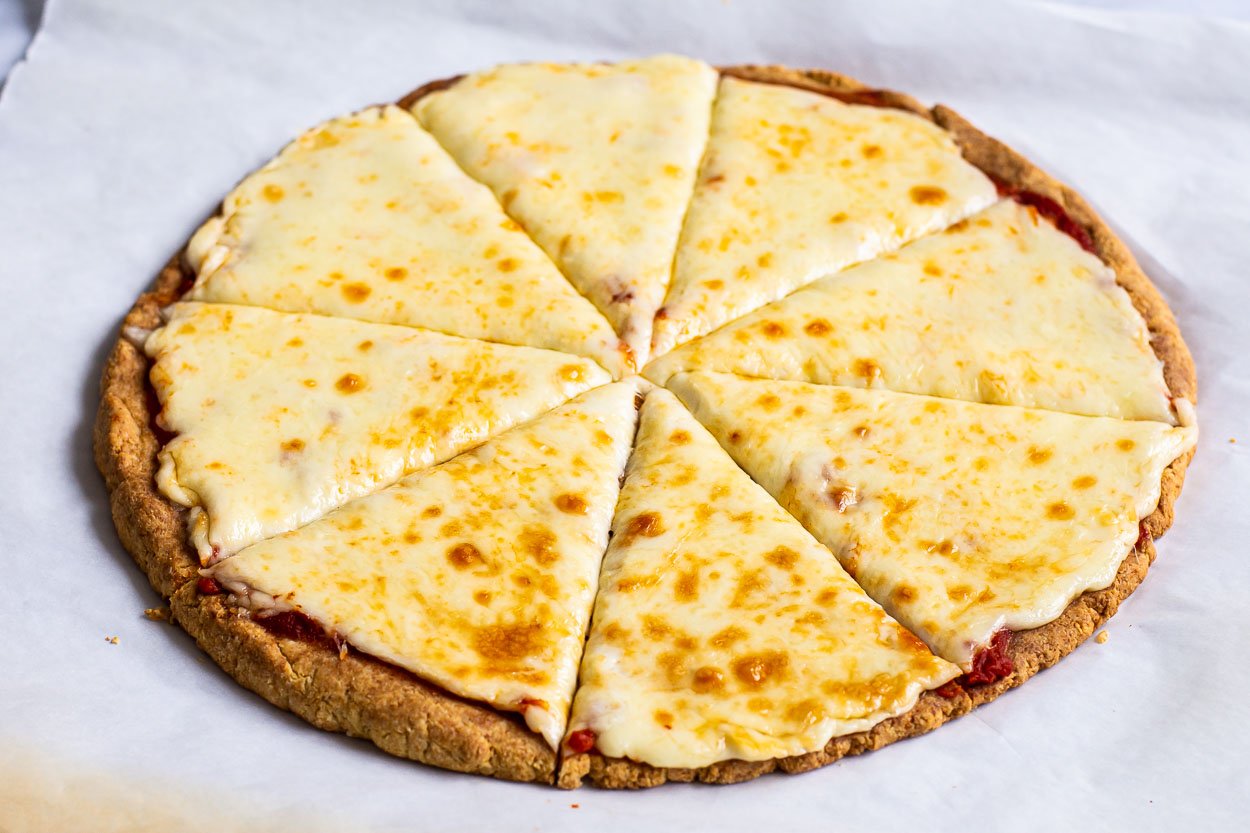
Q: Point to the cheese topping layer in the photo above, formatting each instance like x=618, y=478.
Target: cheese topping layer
x=596, y=161
x=1002, y=308
x=478, y=574
x=959, y=518
x=796, y=185
x=366, y=217
x=722, y=629
x=281, y=417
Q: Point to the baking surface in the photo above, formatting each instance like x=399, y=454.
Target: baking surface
x=108, y=166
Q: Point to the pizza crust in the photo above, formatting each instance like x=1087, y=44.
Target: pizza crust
x=404, y=716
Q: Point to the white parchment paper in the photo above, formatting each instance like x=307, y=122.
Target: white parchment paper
x=129, y=121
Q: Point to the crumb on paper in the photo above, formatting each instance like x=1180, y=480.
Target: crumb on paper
x=1102, y=638
x=1232, y=440
x=112, y=640
x=157, y=614
x=575, y=806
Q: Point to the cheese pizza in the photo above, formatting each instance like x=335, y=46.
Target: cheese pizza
x=645, y=422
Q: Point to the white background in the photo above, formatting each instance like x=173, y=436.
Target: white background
x=129, y=121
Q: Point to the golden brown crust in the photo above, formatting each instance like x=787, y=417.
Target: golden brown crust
x=351, y=694
x=406, y=717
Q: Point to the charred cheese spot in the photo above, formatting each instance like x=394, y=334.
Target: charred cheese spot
x=431, y=511
x=396, y=273
x=356, y=292
x=482, y=597
x=664, y=718
x=866, y=369
x=293, y=445
x=350, y=383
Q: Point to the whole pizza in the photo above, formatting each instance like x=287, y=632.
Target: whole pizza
x=646, y=421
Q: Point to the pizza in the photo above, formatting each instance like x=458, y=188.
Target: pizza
x=644, y=422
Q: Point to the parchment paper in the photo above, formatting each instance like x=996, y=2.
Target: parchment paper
x=128, y=123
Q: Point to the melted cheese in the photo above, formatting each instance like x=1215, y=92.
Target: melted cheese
x=596, y=161
x=478, y=574
x=959, y=518
x=796, y=185
x=1002, y=308
x=282, y=417
x=366, y=217
x=722, y=629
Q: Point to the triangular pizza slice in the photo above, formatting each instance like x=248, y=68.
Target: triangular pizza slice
x=278, y=417
x=961, y=519
x=796, y=185
x=722, y=629
x=595, y=161
x=1002, y=308
x=366, y=217
x=478, y=574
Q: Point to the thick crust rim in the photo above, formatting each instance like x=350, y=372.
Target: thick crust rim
x=358, y=696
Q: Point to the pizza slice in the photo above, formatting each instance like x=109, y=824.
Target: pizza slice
x=962, y=519
x=796, y=185
x=477, y=574
x=723, y=630
x=366, y=217
x=595, y=161
x=992, y=310
x=276, y=418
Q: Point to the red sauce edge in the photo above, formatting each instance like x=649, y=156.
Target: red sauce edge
x=581, y=741
x=990, y=663
x=950, y=690
x=292, y=624
x=1051, y=210
x=207, y=586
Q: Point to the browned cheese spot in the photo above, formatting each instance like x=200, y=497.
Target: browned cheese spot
x=1085, y=481
x=539, y=543
x=927, y=195
x=356, y=292
x=756, y=671
x=708, y=679
x=679, y=437
x=867, y=369
x=1037, y=456
x=1060, y=511
x=350, y=383
x=782, y=557
x=818, y=327
x=647, y=525
x=464, y=555
x=482, y=597
x=507, y=264
x=1125, y=444
x=293, y=445
x=508, y=643
x=571, y=504
x=773, y=329
x=273, y=193
x=686, y=589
